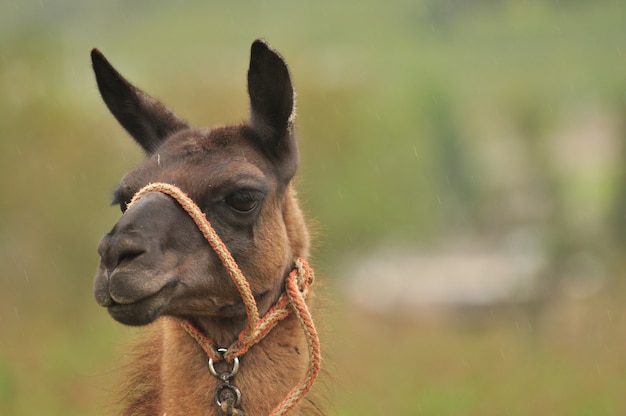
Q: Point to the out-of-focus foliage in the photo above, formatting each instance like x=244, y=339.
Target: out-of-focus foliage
x=417, y=121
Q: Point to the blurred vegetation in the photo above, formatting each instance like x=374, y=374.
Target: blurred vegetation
x=417, y=121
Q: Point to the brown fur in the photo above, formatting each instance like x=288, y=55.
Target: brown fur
x=156, y=268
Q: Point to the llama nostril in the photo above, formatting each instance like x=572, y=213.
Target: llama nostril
x=116, y=252
x=129, y=256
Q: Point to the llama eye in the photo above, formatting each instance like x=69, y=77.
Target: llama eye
x=242, y=201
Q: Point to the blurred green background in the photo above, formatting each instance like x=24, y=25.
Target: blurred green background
x=434, y=134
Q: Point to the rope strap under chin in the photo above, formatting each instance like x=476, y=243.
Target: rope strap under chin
x=293, y=299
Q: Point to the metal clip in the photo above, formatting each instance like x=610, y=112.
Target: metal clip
x=226, y=392
x=226, y=375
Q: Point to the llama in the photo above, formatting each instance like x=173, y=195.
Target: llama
x=210, y=253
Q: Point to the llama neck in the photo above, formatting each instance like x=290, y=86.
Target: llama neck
x=223, y=331
x=267, y=373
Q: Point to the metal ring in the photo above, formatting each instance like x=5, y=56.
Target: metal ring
x=230, y=387
x=227, y=374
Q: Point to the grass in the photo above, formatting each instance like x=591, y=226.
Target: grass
x=571, y=363
x=402, y=106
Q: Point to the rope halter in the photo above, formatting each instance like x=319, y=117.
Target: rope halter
x=292, y=300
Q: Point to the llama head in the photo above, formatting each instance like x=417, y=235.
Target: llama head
x=155, y=261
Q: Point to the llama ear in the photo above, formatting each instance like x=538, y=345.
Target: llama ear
x=272, y=103
x=146, y=119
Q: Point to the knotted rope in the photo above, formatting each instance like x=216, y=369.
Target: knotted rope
x=293, y=299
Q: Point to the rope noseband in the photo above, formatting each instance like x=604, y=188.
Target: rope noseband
x=292, y=300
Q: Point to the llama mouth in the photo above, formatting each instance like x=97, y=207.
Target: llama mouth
x=142, y=311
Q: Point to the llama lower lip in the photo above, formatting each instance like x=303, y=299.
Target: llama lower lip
x=142, y=311
x=135, y=314
x=139, y=313
x=122, y=291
